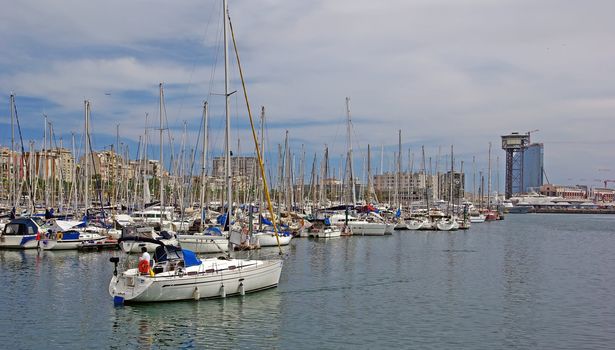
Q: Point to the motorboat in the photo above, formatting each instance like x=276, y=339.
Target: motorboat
x=177, y=274
x=25, y=233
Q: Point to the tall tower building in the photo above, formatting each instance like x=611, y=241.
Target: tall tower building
x=514, y=145
x=533, y=167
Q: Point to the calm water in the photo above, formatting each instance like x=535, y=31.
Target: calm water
x=529, y=282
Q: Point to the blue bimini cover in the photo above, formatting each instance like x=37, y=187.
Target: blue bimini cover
x=190, y=258
x=213, y=231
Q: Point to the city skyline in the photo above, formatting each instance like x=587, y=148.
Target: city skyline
x=447, y=72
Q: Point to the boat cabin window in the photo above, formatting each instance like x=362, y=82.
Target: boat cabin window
x=38, y=220
x=18, y=229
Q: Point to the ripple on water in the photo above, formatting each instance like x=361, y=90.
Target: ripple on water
x=531, y=281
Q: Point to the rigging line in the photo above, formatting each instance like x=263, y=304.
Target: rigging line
x=217, y=136
x=193, y=68
x=169, y=135
x=216, y=56
x=190, y=187
x=258, y=152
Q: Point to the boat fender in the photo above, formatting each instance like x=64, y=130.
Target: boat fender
x=118, y=300
x=38, y=236
x=242, y=290
x=144, y=266
x=222, y=291
x=59, y=236
x=196, y=294
x=180, y=272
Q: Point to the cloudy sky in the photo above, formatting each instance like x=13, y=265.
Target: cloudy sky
x=443, y=71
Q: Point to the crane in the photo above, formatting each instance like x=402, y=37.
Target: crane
x=529, y=134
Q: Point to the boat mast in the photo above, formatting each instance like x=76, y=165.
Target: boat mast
x=398, y=173
x=452, y=177
x=489, y=179
x=261, y=199
x=73, y=185
x=204, y=166
x=474, y=179
x=369, y=175
x=45, y=174
x=227, y=138
x=12, y=175
x=425, y=179
x=161, y=165
x=349, y=140
x=86, y=198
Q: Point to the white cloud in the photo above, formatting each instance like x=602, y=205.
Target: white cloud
x=445, y=71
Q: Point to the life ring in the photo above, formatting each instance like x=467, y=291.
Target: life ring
x=144, y=266
x=59, y=236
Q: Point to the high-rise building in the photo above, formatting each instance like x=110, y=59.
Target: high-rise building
x=533, y=167
x=240, y=166
x=524, y=163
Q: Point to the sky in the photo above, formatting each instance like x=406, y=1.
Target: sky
x=444, y=72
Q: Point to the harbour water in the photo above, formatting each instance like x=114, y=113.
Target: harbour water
x=529, y=282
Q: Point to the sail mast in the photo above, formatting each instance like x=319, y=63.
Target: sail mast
x=349, y=140
x=227, y=138
x=12, y=175
x=86, y=198
x=161, y=165
x=204, y=165
x=489, y=179
x=398, y=176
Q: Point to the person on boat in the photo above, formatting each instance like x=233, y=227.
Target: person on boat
x=144, y=261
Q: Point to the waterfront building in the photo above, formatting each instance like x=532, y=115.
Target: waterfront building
x=5, y=171
x=243, y=170
x=412, y=186
x=107, y=164
x=53, y=164
x=564, y=191
x=533, y=157
x=606, y=195
x=244, y=166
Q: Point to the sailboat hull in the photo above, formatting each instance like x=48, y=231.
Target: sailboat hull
x=214, y=278
x=204, y=243
x=267, y=239
x=367, y=228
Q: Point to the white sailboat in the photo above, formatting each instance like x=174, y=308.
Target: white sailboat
x=177, y=274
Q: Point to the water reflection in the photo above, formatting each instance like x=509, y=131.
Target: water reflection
x=523, y=283
x=251, y=321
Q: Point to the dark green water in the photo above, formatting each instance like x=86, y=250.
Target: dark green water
x=528, y=282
